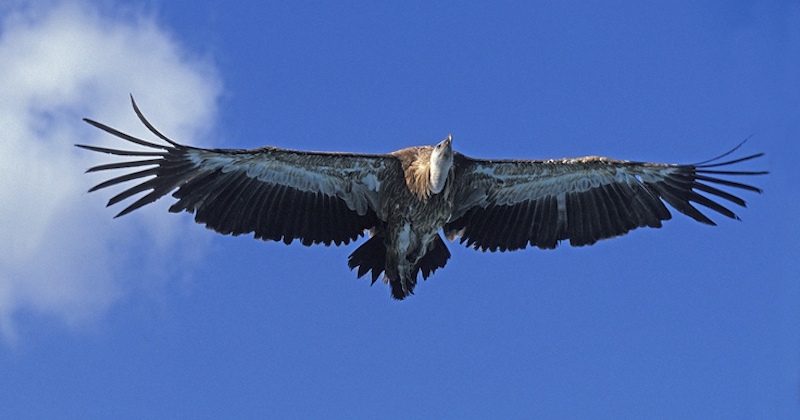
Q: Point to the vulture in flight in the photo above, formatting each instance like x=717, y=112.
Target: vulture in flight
x=406, y=198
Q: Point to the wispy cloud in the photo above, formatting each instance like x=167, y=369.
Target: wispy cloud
x=61, y=254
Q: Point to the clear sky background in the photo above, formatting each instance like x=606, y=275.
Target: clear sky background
x=153, y=316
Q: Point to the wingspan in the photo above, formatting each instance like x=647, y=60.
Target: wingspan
x=507, y=205
x=274, y=193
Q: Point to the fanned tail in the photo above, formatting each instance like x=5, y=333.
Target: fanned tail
x=435, y=258
x=371, y=256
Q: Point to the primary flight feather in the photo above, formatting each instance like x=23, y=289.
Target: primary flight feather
x=407, y=197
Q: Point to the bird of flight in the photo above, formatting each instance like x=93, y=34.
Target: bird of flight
x=406, y=198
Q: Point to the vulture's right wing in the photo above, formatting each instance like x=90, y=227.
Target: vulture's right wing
x=274, y=193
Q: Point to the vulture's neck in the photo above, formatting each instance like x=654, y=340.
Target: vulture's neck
x=426, y=168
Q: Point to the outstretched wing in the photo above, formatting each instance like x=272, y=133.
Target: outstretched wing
x=507, y=205
x=274, y=193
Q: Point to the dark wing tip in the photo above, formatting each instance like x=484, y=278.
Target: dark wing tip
x=149, y=126
x=735, y=148
x=698, y=177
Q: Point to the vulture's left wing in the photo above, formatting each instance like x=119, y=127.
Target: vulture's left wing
x=274, y=193
x=506, y=205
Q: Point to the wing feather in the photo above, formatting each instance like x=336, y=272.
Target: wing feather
x=604, y=208
x=276, y=194
x=510, y=204
x=511, y=231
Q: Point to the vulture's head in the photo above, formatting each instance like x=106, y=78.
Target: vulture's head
x=441, y=161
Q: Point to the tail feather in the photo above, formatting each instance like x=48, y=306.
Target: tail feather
x=371, y=256
x=435, y=258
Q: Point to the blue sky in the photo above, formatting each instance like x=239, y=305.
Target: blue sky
x=151, y=315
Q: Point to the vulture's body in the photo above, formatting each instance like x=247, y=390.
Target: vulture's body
x=406, y=198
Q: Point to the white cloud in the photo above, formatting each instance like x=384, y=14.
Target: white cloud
x=62, y=255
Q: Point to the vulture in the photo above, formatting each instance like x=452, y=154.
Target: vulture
x=405, y=199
